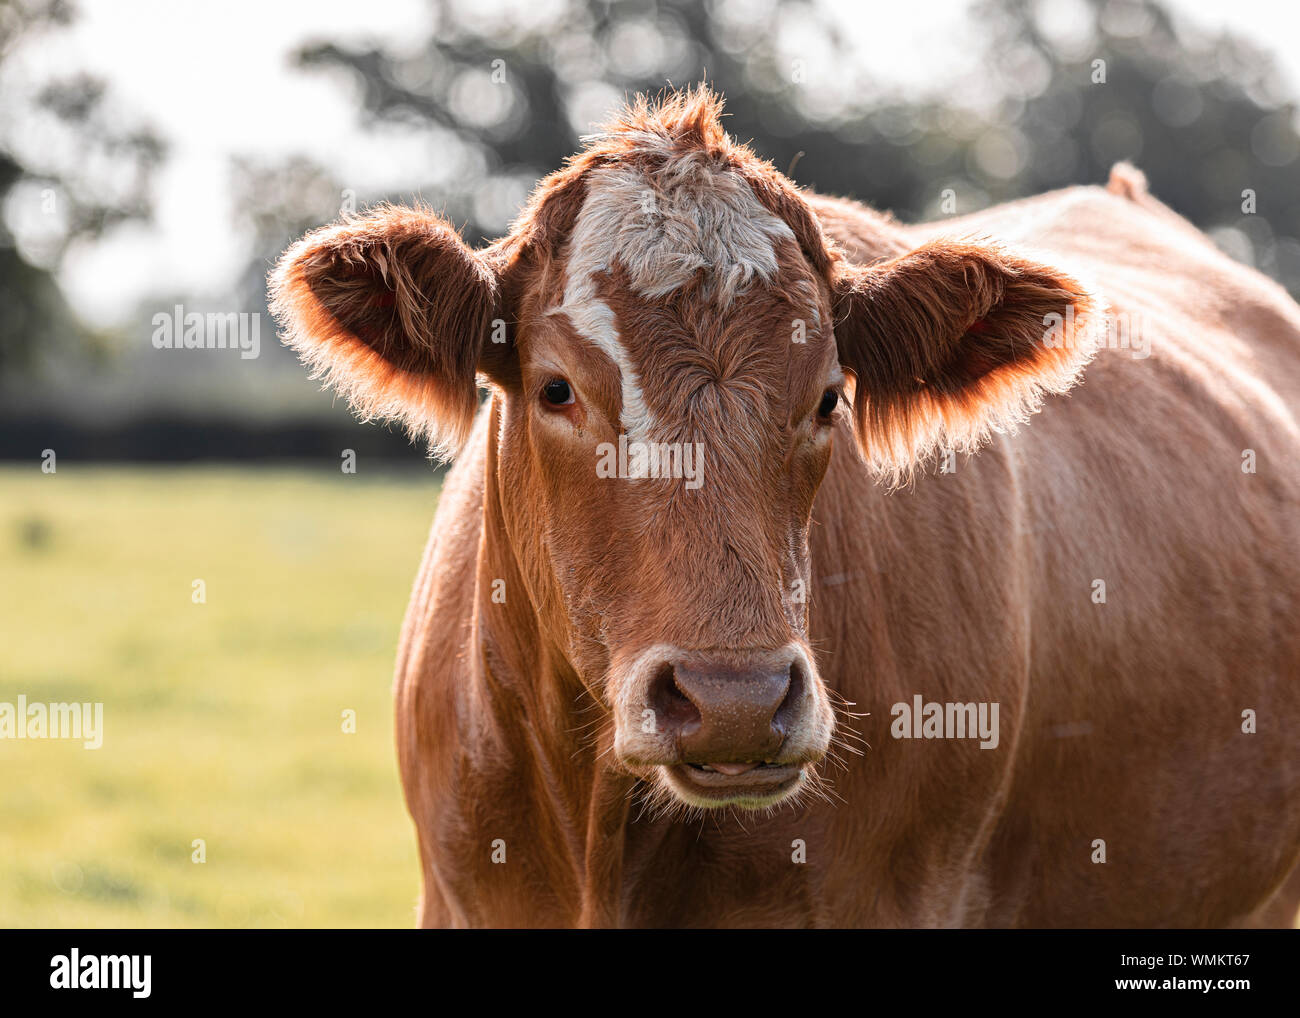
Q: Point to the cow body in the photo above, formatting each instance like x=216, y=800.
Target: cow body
x=976, y=607
x=1120, y=721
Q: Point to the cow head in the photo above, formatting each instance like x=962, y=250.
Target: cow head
x=671, y=345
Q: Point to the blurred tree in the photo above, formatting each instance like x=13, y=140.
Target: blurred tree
x=508, y=92
x=1209, y=120
x=49, y=204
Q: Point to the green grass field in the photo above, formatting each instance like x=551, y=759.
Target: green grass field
x=223, y=721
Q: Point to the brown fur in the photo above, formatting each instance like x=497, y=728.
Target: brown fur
x=1119, y=721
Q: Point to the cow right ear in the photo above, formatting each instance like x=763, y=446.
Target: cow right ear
x=397, y=313
x=953, y=341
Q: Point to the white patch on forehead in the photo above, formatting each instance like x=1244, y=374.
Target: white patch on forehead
x=666, y=226
x=594, y=321
x=663, y=228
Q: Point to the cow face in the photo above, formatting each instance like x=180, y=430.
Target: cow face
x=669, y=429
x=670, y=345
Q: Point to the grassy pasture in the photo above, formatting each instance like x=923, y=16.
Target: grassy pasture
x=223, y=720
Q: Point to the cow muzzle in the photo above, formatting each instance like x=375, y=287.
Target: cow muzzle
x=722, y=728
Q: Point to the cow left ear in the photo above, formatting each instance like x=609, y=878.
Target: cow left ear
x=399, y=315
x=953, y=341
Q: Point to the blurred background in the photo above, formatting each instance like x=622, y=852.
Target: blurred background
x=156, y=155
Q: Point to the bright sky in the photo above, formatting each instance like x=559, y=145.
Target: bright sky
x=215, y=81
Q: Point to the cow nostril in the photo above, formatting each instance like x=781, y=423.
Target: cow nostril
x=784, y=718
x=672, y=707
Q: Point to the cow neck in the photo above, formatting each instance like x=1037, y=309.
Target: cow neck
x=548, y=723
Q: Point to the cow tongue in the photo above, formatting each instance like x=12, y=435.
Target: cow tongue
x=733, y=769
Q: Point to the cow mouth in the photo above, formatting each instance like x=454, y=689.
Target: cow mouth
x=735, y=784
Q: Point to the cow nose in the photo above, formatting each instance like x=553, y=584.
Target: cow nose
x=724, y=714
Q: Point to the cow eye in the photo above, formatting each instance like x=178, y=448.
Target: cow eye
x=557, y=392
x=830, y=400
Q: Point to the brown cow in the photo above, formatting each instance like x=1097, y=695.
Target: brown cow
x=721, y=623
